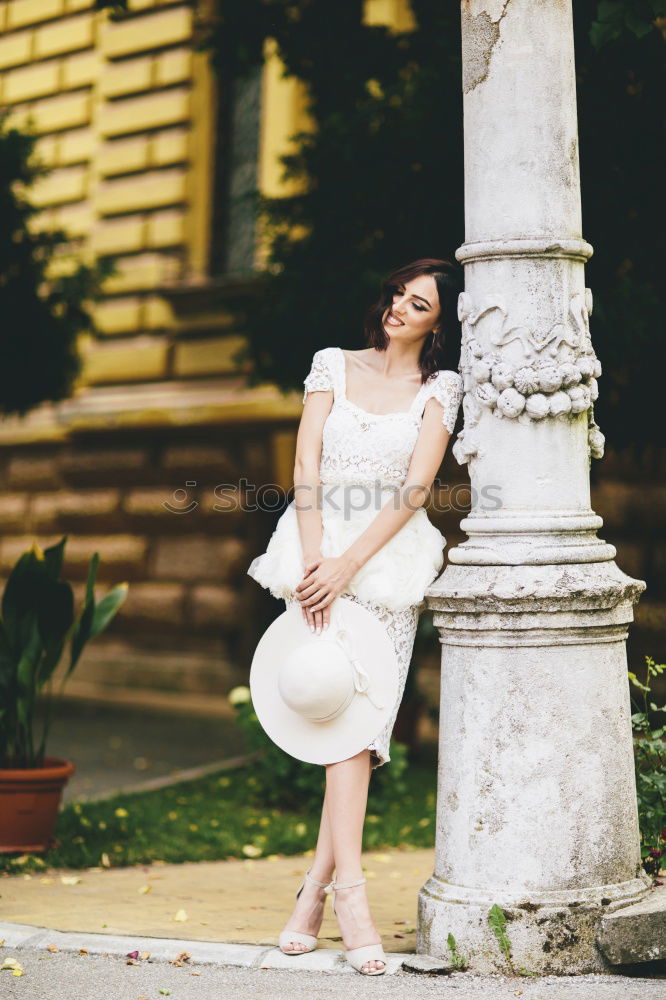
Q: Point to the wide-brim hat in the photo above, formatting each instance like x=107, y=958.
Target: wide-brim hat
x=324, y=697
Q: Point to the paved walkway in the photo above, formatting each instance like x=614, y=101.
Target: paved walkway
x=228, y=913
x=244, y=901
x=118, y=748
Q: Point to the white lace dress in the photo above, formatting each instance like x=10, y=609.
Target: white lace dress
x=365, y=458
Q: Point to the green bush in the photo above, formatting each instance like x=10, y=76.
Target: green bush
x=650, y=758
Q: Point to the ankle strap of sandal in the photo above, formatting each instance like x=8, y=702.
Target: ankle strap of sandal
x=347, y=885
x=322, y=885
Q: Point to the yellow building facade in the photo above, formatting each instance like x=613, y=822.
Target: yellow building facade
x=127, y=113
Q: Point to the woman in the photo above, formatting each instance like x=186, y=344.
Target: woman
x=374, y=430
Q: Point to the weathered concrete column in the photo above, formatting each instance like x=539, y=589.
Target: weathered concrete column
x=536, y=792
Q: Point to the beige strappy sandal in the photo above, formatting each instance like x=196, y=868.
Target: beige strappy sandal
x=309, y=940
x=357, y=957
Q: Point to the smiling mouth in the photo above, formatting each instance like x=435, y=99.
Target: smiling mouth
x=393, y=320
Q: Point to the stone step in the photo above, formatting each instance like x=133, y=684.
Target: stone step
x=636, y=933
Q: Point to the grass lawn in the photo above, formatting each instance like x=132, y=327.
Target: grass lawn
x=210, y=819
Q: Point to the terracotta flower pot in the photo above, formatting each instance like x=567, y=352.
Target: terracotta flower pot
x=29, y=803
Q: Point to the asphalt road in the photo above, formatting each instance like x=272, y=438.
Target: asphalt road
x=51, y=976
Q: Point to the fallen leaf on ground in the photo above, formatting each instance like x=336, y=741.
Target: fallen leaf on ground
x=14, y=965
x=70, y=879
x=181, y=915
x=145, y=888
x=52, y=947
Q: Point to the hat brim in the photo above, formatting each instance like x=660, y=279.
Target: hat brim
x=359, y=724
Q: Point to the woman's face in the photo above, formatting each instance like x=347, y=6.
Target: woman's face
x=414, y=311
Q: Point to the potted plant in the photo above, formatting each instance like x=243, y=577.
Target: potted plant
x=37, y=620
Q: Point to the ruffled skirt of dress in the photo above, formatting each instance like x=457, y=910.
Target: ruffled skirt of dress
x=391, y=584
x=396, y=577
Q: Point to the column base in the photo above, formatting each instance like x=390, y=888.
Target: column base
x=549, y=933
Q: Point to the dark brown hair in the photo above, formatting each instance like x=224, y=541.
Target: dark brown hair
x=440, y=350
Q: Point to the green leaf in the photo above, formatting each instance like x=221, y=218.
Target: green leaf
x=53, y=557
x=108, y=608
x=497, y=921
x=18, y=598
x=29, y=658
x=80, y=635
x=7, y=661
x=55, y=610
x=90, y=582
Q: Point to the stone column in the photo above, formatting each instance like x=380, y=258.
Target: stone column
x=536, y=791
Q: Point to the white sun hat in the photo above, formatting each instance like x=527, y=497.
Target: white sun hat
x=323, y=698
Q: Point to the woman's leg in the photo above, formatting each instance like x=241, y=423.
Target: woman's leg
x=346, y=802
x=308, y=912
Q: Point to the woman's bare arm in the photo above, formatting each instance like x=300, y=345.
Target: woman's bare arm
x=307, y=480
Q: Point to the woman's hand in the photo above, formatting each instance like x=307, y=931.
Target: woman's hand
x=324, y=579
x=314, y=620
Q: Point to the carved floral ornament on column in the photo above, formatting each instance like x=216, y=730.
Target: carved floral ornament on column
x=553, y=375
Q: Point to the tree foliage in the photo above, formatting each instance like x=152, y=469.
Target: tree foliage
x=382, y=177
x=41, y=315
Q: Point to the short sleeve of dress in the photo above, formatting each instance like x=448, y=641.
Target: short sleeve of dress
x=447, y=389
x=319, y=377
